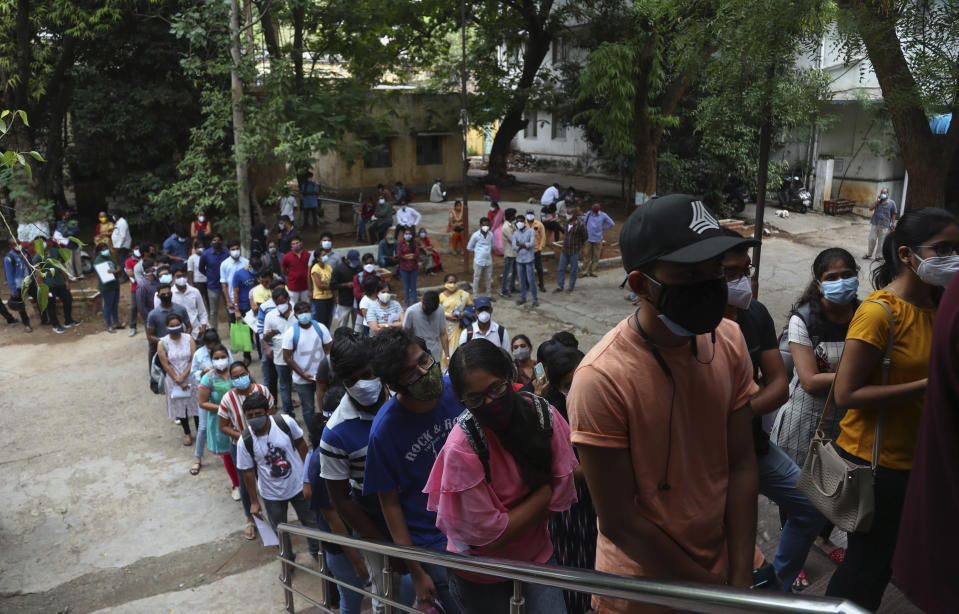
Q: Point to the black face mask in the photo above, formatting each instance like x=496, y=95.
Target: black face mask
x=698, y=307
x=497, y=413
x=166, y=299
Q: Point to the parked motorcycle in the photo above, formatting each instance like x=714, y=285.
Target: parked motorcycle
x=793, y=195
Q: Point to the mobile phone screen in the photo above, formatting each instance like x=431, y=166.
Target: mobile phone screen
x=539, y=370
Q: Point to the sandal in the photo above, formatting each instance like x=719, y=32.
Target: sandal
x=838, y=555
x=195, y=469
x=800, y=582
x=188, y=440
x=250, y=531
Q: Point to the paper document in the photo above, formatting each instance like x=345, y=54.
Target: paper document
x=267, y=534
x=103, y=270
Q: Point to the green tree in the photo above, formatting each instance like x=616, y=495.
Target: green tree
x=912, y=45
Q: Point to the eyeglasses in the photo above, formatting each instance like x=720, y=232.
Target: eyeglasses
x=734, y=273
x=349, y=382
x=422, y=368
x=942, y=249
x=472, y=401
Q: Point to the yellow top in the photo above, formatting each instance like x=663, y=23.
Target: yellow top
x=910, y=362
x=324, y=273
x=261, y=294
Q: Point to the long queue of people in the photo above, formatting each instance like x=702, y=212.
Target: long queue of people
x=432, y=426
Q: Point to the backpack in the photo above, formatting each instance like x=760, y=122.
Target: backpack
x=296, y=333
x=470, y=331
x=157, y=374
x=279, y=423
x=477, y=439
x=805, y=314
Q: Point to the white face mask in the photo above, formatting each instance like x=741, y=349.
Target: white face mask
x=283, y=308
x=326, y=244
x=201, y=218
x=136, y=253
x=740, y=292
x=937, y=270
x=520, y=225
x=384, y=297
x=235, y=254
x=221, y=364
x=366, y=392
x=530, y=217
x=382, y=202
x=369, y=268
x=180, y=282
x=484, y=316
x=484, y=228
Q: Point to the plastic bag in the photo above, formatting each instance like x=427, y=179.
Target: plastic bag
x=240, y=340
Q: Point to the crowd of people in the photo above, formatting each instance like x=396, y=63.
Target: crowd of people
x=425, y=422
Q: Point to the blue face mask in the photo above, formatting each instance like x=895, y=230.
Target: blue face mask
x=304, y=318
x=883, y=196
x=841, y=291
x=242, y=382
x=105, y=253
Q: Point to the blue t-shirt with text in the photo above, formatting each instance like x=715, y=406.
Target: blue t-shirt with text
x=402, y=448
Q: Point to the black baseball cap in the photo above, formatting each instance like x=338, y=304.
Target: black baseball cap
x=674, y=228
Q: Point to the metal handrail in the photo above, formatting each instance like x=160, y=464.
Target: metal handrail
x=677, y=595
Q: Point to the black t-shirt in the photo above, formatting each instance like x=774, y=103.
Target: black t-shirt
x=343, y=273
x=759, y=331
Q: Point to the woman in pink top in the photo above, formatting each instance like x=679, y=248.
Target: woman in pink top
x=500, y=507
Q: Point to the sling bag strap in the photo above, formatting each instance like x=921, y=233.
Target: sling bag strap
x=279, y=422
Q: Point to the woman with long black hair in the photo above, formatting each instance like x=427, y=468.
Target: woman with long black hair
x=919, y=260
x=506, y=466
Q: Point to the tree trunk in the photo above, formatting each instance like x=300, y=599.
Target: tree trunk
x=499, y=152
x=298, y=11
x=269, y=34
x=647, y=166
x=239, y=124
x=927, y=157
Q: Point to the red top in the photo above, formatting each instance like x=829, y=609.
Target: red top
x=128, y=265
x=295, y=268
x=200, y=226
x=408, y=247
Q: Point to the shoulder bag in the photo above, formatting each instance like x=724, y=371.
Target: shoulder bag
x=840, y=489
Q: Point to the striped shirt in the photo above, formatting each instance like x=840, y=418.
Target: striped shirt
x=231, y=406
x=343, y=444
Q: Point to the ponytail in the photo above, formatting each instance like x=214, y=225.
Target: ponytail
x=914, y=228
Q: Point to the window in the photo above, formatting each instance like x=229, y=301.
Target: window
x=558, y=127
x=429, y=150
x=560, y=51
x=529, y=132
x=379, y=157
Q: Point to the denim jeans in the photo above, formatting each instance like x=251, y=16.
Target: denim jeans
x=268, y=371
x=361, y=231
x=572, y=261
x=526, y=279
x=111, y=305
x=276, y=512
x=244, y=495
x=509, y=274
x=440, y=579
x=477, y=598
x=307, y=394
x=284, y=380
x=409, y=286
x=200, y=435
x=340, y=568
x=778, y=475
x=323, y=310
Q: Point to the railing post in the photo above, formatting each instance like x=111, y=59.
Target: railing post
x=517, y=605
x=387, y=583
x=325, y=596
x=286, y=570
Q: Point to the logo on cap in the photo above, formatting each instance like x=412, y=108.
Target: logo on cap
x=703, y=220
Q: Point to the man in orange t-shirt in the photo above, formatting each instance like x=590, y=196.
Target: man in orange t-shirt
x=660, y=414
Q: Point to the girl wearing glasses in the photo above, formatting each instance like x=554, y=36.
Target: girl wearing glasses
x=499, y=506
x=919, y=260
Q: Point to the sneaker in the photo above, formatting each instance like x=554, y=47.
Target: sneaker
x=132, y=332
x=120, y=326
x=73, y=323
x=557, y=289
x=503, y=294
x=28, y=329
x=521, y=301
x=236, y=493
x=535, y=303
x=542, y=288
x=569, y=290
x=58, y=330
x=111, y=331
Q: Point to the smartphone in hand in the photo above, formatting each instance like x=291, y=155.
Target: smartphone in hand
x=539, y=371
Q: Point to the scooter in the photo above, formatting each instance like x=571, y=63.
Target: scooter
x=793, y=196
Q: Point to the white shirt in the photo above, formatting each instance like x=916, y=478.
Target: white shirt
x=193, y=265
x=436, y=193
x=492, y=335
x=279, y=466
x=309, y=351
x=408, y=216
x=482, y=248
x=191, y=300
x=280, y=323
x=121, y=234
x=227, y=268
x=287, y=206
x=365, y=304
x=550, y=196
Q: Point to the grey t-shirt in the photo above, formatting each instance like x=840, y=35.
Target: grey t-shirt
x=882, y=215
x=157, y=319
x=429, y=327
